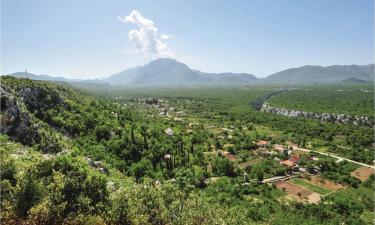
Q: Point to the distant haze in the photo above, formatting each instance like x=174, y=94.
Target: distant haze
x=169, y=72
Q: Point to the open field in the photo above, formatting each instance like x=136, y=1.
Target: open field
x=325, y=183
x=362, y=173
x=298, y=191
x=306, y=184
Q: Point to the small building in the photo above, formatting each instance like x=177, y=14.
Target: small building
x=279, y=148
x=291, y=162
x=262, y=143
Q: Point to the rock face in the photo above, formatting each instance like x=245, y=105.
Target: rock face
x=16, y=122
x=326, y=117
x=21, y=116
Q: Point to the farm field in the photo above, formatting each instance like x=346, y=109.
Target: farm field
x=362, y=173
x=312, y=187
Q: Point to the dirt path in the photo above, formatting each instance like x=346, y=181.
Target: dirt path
x=339, y=158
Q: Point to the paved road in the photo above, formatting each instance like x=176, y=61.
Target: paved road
x=339, y=158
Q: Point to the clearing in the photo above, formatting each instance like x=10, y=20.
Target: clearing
x=362, y=173
x=309, y=186
x=298, y=191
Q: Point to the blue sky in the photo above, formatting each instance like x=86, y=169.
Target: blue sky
x=86, y=38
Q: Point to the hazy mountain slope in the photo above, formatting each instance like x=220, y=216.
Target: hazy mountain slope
x=165, y=71
x=319, y=74
x=354, y=80
x=41, y=77
x=123, y=77
x=53, y=78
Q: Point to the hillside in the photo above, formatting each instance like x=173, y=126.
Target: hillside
x=43, y=77
x=70, y=158
x=320, y=74
x=354, y=80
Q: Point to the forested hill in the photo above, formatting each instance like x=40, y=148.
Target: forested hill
x=69, y=158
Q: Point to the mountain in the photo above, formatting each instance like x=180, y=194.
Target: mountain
x=165, y=72
x=354, y=80
x=41, y=77
x=168, y=72
x=53, y=78
x=320, y=74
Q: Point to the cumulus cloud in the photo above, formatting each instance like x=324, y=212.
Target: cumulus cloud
x=146, y=37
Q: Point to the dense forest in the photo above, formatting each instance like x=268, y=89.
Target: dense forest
x=156, y=156
x=351, y=100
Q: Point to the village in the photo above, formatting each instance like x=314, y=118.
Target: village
x=297, y=168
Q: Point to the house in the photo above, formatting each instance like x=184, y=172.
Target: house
x=262, y=143
x=292, y=161
x=279, y=148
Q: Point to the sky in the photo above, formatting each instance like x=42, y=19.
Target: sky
x=90, y=39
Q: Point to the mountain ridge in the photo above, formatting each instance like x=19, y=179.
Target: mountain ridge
x=167, y=72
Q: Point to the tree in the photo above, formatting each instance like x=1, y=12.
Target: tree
x=102, y=132
x=141, y=168
x=29, y=194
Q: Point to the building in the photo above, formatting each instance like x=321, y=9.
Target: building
x=262, y=143
x=279, y=148
x=291, y=162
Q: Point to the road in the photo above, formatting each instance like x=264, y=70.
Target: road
x=339, y=158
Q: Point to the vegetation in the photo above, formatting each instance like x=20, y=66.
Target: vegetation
x=116, y=164
x=351, y=100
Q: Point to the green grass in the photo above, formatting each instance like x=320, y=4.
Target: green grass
x=309, y=186
x=277, y=193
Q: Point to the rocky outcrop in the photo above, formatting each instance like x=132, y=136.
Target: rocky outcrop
x=326, y=117
x=258, y=103
x=15, y=120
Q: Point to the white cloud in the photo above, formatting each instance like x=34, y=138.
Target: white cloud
x=145, y=37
